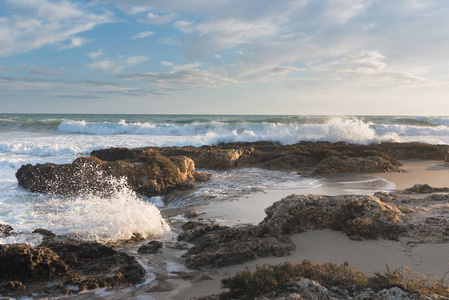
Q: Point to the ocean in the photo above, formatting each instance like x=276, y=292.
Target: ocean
x=59, y=138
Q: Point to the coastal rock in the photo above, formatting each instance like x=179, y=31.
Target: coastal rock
x=202, y=176
x=303, y=156
x=414, y=150
x=26, y=264
x=218, y=246
x=358, y=216
x=148, y=174
x=6, y=230
x=370, y=164
x=150, y=248
x=424, y=189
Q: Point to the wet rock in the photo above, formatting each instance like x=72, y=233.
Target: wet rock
x=148, y=174
x=413, y=150
x=100, y=264
x=424, y=189
x=358, y=216
x=202, y=176
x=218, y=246
x=24, y=263
x=6, y=230
x=150, y=248
x=44, y=232
x=370, y=164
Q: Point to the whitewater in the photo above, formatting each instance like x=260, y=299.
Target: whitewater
x=31, y=139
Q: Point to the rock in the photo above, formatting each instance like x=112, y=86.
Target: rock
x=358, y=216
x=148, y=174
x=370, y=164
x=44, y=232
x=218, y=246
x=150, y=248
x=6, y=230
x=24, y=263
x=424, y=189
x=413, y=150
x=202, y=176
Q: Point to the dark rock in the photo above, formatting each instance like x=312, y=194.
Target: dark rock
x=217, y=246
x=44, y=232
x=202, y=176
x=148, y=174
x=424, y=189
x=358, y=216
x=370, y=164
x=24, y=263
x=6, y=230
x=150, y=248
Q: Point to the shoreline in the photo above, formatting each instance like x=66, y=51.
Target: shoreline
x=321, y=246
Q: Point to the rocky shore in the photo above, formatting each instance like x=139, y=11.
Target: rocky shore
x=156, y=171
x=62, y=266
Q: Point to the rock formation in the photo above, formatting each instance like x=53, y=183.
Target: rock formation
x=147, y=173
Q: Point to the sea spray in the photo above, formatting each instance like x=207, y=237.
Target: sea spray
x=116, y=216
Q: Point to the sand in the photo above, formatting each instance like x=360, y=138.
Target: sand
x=320, y=246
x=432, y=172
x=369, y=256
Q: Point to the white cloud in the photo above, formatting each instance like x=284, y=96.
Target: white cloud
x=94, y=55
x=183, y=26
x=156, y=19
x=166, y=63
x=368, y=67
x=32, y=24
x=142, y=35
x=118, y=64
x=75, y=42
x=185, y=75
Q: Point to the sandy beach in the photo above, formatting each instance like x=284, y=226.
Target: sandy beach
x=322, y=246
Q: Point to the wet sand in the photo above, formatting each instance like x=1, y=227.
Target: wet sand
x=369, y=256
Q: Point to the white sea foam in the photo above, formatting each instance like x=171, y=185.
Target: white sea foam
x=88, y=217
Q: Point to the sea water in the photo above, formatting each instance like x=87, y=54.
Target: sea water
x=31, y=139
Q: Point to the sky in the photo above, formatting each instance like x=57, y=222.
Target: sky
x=342, y=57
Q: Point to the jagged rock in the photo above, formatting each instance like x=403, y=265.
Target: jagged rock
x=370, y=164
x=356, y=215
x=151, y=248
x=303, y=156
x=6, y=230
x=424, y=189
x=413, y=150
x=44, y=232
x=148, y=174
x=217, y=246
x=202, y=176
x=24, y=263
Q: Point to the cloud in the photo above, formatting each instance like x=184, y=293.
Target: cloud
x=186, y=75
x=118, y=64
x=99, y=82
x=367, y=66
x=6, y=68
x=142, y=35
x=30, y=25
x=94, y=55
x=75, y=42
x=157, y=19
x=40, y=70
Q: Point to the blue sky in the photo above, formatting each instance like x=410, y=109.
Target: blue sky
x=375, y=57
